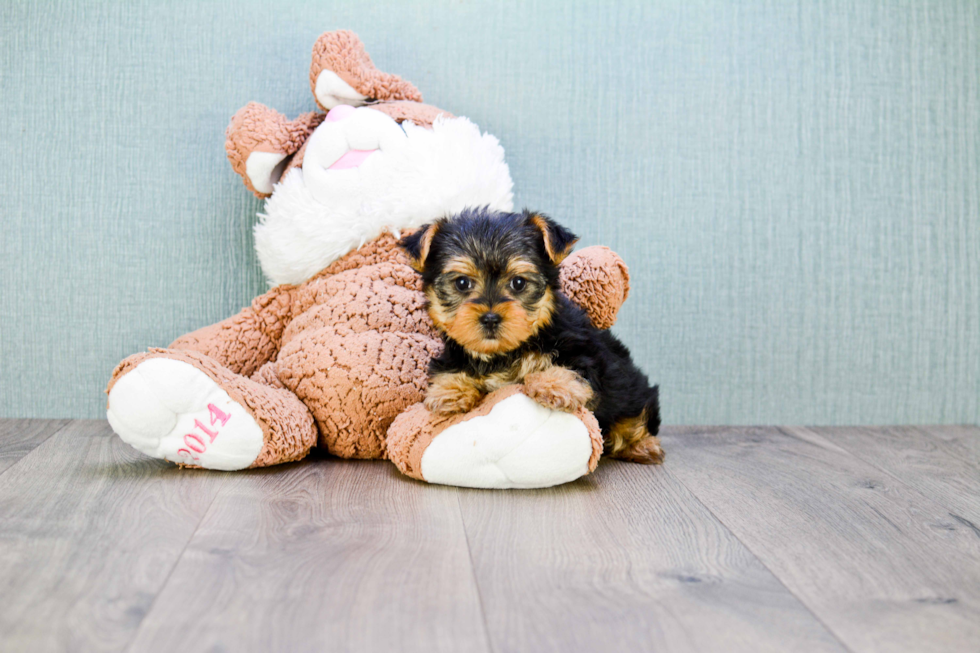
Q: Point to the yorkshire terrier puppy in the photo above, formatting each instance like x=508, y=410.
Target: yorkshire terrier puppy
x=491, y=280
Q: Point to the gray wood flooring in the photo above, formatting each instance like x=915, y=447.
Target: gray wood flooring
x=748, y=539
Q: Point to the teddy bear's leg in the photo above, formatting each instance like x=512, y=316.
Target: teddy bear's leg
x=356, y=383
x=186, y=408
x=508, y=441
x=343, y=73
x=260, y=140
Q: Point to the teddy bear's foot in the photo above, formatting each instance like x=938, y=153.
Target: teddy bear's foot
x=508, y=441
x=168, y=407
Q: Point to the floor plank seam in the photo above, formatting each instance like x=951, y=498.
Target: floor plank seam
x=166, y=581
x=859, y=520
x=911, y=488
x=476, y=582
x=58, y=430
x=755, y=555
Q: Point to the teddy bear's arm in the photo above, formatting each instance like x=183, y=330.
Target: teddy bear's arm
x=246, y=341
x=598, y=281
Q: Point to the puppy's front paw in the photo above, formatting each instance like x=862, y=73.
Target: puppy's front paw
x=450, y=394
x=559, y=388
x=441, y=403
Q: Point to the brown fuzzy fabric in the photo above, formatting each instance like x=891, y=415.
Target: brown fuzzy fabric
x=356, y=384
x=383, y=249
x=350, y=347
x=287, y=426
x=257, y=128
x=343, y=53
x=421, y=114
x=415, y=428
x=246, y=341
x=358, y=349
x=297, y=160
x=598, y=280
x=267, y=375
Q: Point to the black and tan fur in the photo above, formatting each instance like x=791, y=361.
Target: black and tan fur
x=491, y=280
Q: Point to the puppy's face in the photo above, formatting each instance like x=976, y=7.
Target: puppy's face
x=490, y=278
x=490, y=304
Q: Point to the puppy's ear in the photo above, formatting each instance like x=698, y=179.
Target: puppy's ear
x=558, y=241
x=417, y=245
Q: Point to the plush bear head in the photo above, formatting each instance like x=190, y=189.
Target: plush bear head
x=378, y=161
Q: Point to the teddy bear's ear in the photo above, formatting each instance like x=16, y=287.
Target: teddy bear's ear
x=259, y=142
x=418, y=244
x=342, y=73
x=558, y=241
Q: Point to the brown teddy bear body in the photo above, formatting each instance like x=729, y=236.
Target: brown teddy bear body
x=336, y=358
x=352, y=344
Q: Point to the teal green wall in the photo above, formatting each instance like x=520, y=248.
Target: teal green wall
x=795, y=185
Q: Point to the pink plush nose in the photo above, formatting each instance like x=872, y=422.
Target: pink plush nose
x=340, y=112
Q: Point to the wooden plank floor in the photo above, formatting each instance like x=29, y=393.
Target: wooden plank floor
x=748, y=539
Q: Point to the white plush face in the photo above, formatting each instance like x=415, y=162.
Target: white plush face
x=364, y=174
x=348, y=150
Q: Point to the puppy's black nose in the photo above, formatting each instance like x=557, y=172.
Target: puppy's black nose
x=491, y=320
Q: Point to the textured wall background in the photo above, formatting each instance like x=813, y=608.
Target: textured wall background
x=795, y=185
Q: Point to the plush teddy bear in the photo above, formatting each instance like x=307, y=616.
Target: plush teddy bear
x=335, y=355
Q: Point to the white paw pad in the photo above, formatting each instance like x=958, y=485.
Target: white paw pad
x=519, y=444
x=170, y=409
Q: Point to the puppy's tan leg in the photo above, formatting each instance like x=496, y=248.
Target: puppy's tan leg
x=646, y=451
x=559, y=388
x=629, y=440
x=452, y=393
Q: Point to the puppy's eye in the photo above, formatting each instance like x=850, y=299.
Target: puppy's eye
x=518, y=284
x=463, y=284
